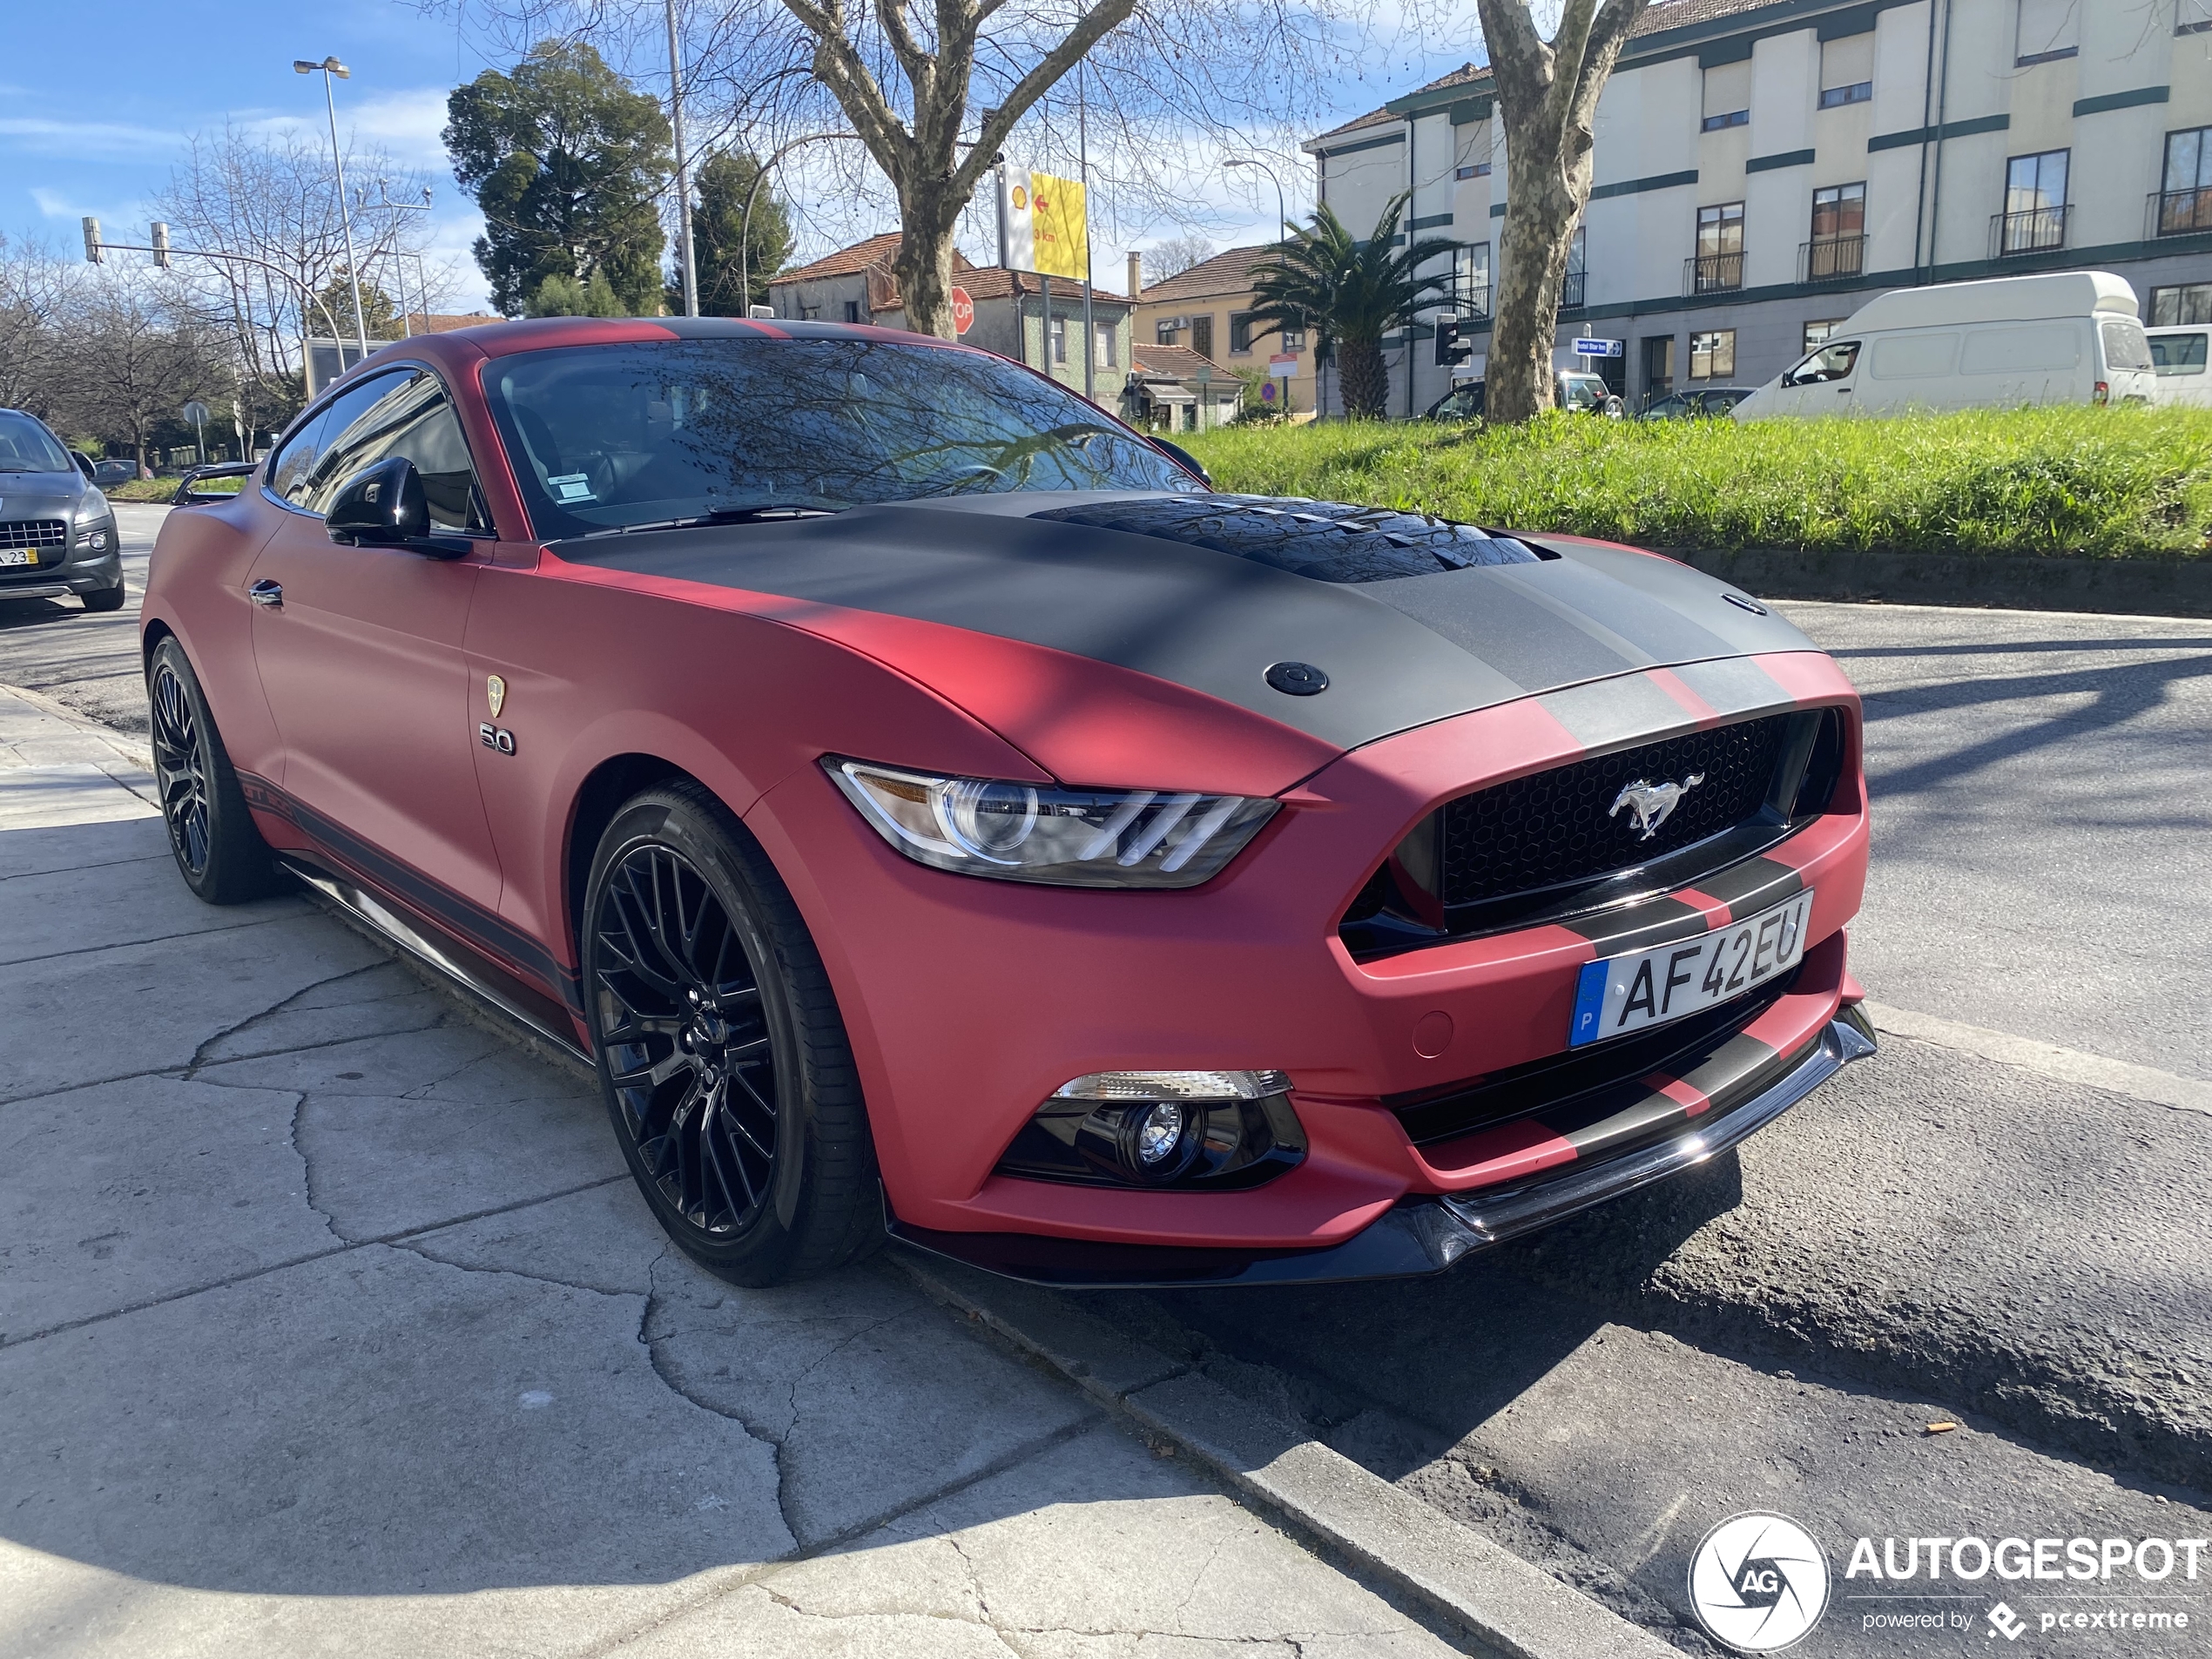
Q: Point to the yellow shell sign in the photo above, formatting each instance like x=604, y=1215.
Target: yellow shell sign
x=1047, y=225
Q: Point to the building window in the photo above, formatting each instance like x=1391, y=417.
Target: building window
x=1728, y=96
x=1712, y=355
x=1058, y=330
x=1473, y=170
x=1839, y=244
x=1240, y=334
x=2190, y=302
x=1470, y=280
x=1292, y=339
x=2185, y=189
x=1846, y=71
x=810, y=314
x=1164, y=331
x=1658, y=368
x=1202, y=335
x=1107, y=352
x=1818, y=333
x=851, y=311
x=2047, y=30
x=1719, y=263
x=2035, y=206
x=1571, y=286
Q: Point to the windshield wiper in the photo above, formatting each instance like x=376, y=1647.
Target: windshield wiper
x=720, y=515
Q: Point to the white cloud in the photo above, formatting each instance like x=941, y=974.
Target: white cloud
x=83, y=140
x=406, y=123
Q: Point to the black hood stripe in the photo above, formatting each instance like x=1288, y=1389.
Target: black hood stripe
x=1399, y=653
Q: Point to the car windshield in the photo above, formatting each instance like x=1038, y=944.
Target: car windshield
x=25, y=446
x=1583, y=391
x=608, y=438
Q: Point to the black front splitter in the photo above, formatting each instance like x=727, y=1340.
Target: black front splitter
x=1419, y=1237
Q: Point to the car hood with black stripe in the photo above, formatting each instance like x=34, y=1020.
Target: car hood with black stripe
x=1412, y=619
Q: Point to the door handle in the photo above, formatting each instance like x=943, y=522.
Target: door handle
x=265, y=592
x=1842, y=391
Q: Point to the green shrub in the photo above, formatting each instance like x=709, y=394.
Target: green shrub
x=2106, y=482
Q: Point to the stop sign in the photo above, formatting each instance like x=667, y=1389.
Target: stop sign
x=963, y=312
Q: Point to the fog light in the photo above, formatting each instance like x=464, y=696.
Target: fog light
x=1153, y=1129
x=96, y=540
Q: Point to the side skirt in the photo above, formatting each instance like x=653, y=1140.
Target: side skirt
x=454, y=962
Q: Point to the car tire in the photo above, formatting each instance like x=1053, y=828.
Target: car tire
x=219, y=853
x=105, y=599
x=721, y=1055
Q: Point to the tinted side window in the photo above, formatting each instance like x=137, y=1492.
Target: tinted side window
x=408, y=416
x=302, y=463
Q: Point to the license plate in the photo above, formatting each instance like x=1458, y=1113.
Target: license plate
x=17, y=556
x=1623, y=993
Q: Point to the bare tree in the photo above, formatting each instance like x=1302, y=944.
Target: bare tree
x=271, y=198
x=134, y=358
x=36, y=290
x=1547, y=94
x=1177, y=255
x=936, y=92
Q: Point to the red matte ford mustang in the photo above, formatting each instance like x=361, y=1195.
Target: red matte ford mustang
x=930, y=806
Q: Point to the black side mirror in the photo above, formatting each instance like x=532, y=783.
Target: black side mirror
x=384, y=505
x=1184, y=459
x=84, y=463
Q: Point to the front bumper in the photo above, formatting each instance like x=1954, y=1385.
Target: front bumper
x=968, y=1002
x=1419, y=1235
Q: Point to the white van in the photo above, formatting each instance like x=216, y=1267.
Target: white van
x=2179, y=355
x=2069, y=337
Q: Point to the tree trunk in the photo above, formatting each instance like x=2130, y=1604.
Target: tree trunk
x=1362, y=381
x=924, y=266
x=1547, y=95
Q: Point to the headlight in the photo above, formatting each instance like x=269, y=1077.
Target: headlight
x=1074, y=837
x=92, y=505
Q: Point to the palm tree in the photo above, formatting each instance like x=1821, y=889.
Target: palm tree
x=1350, y=294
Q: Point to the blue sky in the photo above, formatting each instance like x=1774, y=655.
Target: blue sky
x=141, y=78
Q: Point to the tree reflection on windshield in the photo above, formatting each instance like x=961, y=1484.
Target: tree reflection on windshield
x=605, y=437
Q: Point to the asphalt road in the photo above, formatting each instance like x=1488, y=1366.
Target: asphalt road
x=1935, y=1237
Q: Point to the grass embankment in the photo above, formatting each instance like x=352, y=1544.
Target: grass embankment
x=163, y=489
x=2104, y=482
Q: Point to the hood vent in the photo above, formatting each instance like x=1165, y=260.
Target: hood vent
x=1327, y=540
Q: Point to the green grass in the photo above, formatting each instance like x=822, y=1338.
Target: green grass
x=2105, y=482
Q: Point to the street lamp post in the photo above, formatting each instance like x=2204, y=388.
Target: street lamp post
x=690, y=266
x=1282, y=214
x=399, y=258
x=330, y=66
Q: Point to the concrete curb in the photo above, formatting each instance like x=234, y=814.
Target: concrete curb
x=2175, y=587
x=1510, y=1607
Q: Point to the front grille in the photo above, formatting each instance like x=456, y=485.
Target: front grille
x=34, y=532
x=1561, y=827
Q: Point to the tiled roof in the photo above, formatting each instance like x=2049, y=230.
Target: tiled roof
x=1680, y=14
x=848, y=262
x=995, y=283
x=1178, y=363
x=1229, y=273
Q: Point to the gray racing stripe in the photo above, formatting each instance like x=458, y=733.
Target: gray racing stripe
x=1735, y=686
x=1612, y=711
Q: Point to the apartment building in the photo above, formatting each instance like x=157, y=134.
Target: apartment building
x=1763, y=167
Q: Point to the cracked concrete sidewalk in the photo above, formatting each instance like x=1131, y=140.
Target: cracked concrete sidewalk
x=331, y=1324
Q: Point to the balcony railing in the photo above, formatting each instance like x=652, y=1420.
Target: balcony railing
x=1570, y=290
x=2035, y=231
x=2179, y=213
x=1832, y=259
x=1712, y=272
x=1472, y=299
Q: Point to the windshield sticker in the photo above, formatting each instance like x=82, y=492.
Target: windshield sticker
x=575, y=486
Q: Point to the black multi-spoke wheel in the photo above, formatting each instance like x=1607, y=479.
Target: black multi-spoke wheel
x=221, y=855
x=727, y=1070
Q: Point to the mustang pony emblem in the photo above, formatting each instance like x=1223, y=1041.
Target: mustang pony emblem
x=1652, y=804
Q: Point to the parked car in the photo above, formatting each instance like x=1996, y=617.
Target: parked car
x=922, y=799
x=2177, y=356
x=57, y=531
x=2065, y=337
x=1697, y=403
x=113, y=472
x=1571, y=389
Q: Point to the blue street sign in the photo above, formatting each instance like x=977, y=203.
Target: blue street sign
x=1597, y=348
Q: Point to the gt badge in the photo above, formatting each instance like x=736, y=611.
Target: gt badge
x=495, y=694
x=497, y=737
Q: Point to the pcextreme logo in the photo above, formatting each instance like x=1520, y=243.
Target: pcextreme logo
x=1759, y=1582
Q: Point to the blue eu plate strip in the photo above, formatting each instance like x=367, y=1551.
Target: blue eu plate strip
x=1589, y=1004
